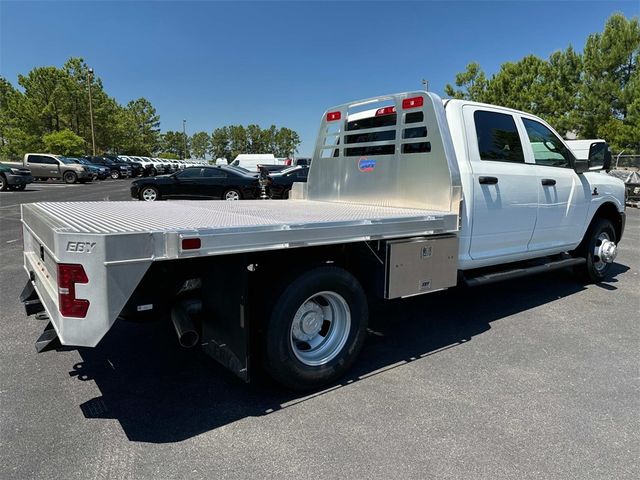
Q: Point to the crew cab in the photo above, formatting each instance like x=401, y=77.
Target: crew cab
x=46, y=165
x=406, y=195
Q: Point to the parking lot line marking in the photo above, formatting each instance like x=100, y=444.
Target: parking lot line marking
x=13, y=241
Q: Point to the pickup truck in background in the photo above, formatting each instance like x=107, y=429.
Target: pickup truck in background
x=46, y=165
x=14, y=178
x=406, y=195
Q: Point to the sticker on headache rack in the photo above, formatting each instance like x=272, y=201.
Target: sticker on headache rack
x=366, y=164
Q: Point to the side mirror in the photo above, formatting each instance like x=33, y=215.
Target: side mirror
x=599, y=156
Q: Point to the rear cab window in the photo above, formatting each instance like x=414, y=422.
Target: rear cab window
x=497, y=136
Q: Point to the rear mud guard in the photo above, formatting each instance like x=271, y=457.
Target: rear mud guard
x=225, y=314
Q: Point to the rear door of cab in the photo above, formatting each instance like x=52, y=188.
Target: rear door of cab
x=504, y=183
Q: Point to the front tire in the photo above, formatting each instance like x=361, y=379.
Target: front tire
x=70, y=177
x=115, y=174
x=316, y=329
x=3, y=183
x=594, y=249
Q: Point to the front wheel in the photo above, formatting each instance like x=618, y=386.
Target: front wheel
x=316, y=329
x=115, y=174
x=70, y=177
x=149, y=194
x=599, y=249
x=3, y=183
x=232, y=195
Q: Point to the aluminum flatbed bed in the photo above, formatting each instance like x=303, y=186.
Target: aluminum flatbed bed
x=223, y=227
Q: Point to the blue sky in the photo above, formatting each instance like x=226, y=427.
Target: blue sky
x=220, y=63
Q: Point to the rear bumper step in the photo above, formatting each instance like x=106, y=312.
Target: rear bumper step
x=522, y=272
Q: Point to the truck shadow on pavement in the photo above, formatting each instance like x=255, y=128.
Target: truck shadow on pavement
x=161, y=393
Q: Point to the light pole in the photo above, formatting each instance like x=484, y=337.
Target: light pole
x=93, y=136
x=184, y=137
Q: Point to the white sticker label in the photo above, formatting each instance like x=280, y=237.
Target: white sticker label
x=142, y=308
x=425, y=285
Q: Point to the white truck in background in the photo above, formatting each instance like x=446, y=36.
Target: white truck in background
x=406, y=195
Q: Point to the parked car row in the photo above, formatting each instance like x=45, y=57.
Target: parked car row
x=222, y=182
x=150, y=167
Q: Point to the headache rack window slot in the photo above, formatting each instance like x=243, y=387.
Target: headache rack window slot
x=372, y=122
x=422, y=147
x=415, y=132
x=370, y=137
x=414, y=117
x=371, y=150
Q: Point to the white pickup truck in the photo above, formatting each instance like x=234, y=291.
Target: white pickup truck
x=406, y=195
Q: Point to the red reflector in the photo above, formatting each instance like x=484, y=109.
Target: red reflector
x=191, y=243
x=331, y=116
x=412, y=102
x=68, y=275
x=385, y=111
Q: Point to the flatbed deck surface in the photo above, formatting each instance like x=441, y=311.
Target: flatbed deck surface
x=130, y=217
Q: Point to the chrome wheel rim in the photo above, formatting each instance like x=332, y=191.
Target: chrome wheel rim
x=232, y=195
x=149, y=195
x=320, y=328
x=604, y=252
x=114, y=175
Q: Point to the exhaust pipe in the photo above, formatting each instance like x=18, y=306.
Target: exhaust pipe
x=182, y=319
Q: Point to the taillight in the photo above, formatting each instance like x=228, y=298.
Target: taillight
x=331, y=116
x=287, y=161
x=191, y=243
x=412, y=102
x=68, y=275
x=385, y=111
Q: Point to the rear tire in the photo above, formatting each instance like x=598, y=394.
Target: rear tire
x=316, y=329
x=149, y=194
x=115, y=174
x=232, y=194
x=595, y=270
x=3, y=183
x=70, y=177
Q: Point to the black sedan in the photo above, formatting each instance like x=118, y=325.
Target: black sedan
x=279, y=184
x=215, y=182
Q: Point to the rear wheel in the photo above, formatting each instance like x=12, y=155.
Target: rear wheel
x=599, y=249
x=115, y=174
x=3, y=183
x=70, y=177
x=149, y=194
x=232, y=194
x=316, y=329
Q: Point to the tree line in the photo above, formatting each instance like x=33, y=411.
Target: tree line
x=51, y=112
x=593, y=94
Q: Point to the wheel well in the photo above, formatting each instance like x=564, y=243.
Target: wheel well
x=609, y=211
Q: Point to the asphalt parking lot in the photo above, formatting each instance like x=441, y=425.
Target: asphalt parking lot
x=536, y=378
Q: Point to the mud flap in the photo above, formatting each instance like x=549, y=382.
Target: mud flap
x=225, y=314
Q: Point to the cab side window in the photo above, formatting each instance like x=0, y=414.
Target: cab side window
x=548, y=149
x=498, y=138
